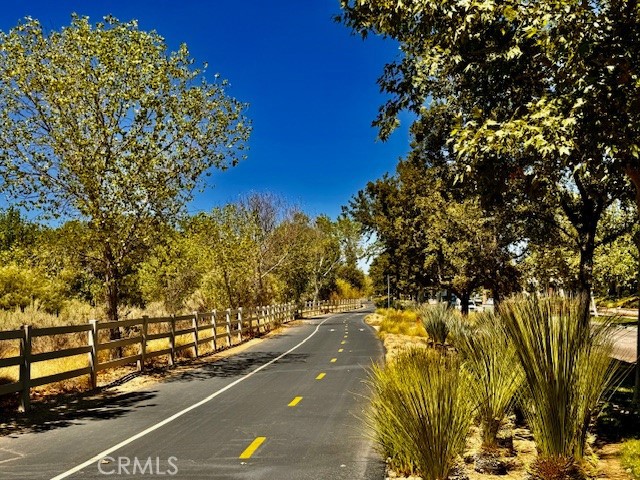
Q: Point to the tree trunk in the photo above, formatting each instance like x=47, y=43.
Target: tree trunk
x=464, y=303
x=584, y=219
x=316, y=291
x=634, y=175
x=112, y=298
x=585, y=278
x=587, y=239
x=497, y=298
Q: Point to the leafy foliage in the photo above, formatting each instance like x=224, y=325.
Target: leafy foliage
x=99, y=122
x=631, y=457
x=535, y=102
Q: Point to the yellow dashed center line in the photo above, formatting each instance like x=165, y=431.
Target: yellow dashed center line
x=334, y=360
x=342, y=342
x=250, y=450
x=294, y=402
x=321, y=376
x=340, y=350
x=346, y=336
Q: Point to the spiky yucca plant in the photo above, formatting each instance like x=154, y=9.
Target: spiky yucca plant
x=421, y=411
x=491, y=359
x=567, y=366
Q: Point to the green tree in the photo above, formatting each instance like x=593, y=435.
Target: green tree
x=101, y=123
x=15, y=230
x=505, y=72
x=435, y=233
x=616, y=267
x=172, y=272
x=544, y=83
x=324, y=255
x=227, y=253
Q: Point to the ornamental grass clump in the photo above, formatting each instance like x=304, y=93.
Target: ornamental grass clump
x=421, y=412
x=567, y=367
x=492, y=362
x=437, y=321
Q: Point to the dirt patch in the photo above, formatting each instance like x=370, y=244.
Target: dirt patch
x=609, y=466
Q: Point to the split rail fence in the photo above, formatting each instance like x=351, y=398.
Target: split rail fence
x=141, y=338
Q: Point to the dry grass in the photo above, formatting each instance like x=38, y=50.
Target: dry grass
x=74, y=312
x=400, y=322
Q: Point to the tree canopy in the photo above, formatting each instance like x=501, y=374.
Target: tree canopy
x=101, y=123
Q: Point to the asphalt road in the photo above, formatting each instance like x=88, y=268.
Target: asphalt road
x=625, y=342
x=291, y=406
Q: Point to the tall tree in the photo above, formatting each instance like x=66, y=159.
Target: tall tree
x=101, y=123
x=324, y=255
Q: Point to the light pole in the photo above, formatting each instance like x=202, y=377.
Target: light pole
x=388, y=292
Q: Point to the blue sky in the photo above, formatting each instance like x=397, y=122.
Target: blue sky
x=309, y=82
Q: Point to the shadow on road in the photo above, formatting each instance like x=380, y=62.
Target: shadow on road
x=235, y=366
x=66, y=410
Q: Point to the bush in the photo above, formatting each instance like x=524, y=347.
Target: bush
x=421, y=412
x=394, y=304
x=20, y=287
x=631, y=457
x=567, y=367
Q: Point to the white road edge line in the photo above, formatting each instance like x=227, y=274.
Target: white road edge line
x=173, y=417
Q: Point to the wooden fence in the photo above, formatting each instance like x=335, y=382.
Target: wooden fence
x=218, y=329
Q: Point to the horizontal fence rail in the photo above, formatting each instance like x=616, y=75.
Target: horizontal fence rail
x=219, y=329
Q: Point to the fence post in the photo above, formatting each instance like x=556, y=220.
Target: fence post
x=25, y=368
x=250, y=320
x=195, y=333
x=143, y=343
x=172, y=339
x=228, y=322
x=239, y=317
x=93, y=354
x=214, y=321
